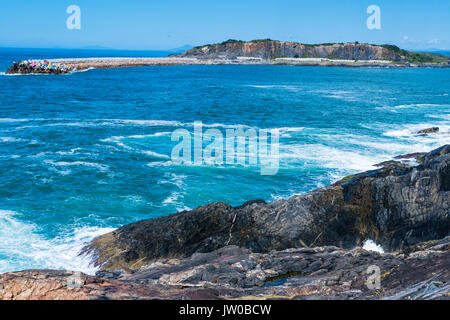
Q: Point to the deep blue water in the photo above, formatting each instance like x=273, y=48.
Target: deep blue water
x=90, y=151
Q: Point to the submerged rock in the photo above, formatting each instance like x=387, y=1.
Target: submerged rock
x=425, y=132
x=396, y=206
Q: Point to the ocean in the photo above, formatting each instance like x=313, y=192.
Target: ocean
x=84, y=153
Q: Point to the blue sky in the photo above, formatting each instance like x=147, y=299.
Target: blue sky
x=149, y=24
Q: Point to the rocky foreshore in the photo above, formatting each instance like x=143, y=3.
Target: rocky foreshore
x=304, y=247
x=420, y=272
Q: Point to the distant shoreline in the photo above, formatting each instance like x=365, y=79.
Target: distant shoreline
x=81, y=64
x=119, y=62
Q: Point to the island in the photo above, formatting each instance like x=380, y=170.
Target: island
x=255, y=52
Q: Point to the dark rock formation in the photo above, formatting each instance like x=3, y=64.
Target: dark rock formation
x=416, y=155
x=397, y=206
x=27, y=67
x=425, y=132
x=270, y=49
x=420, y=272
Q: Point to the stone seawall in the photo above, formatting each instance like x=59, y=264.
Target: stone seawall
x=39, y=67
x=63, y=66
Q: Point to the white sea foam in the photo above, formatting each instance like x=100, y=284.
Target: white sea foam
x=445, y=116
x=411, y=106
x=402, y=106
x=175, y=179
x=96, y=123
x=13, y=74
x=78, y=71
x=10, y=139
x=344, y=159
x=388, y=147
x=70, y=152
x=261, y=86
x=100, y=167
x=337, y=94
x=286, y=132
x=155, y=154
x=136, y=136
x=134, y=198
x=329, y=157
x=118, y=140
x=408, y=132
x=26, y=248
x=24, y=74
x=175, y=200
x=342, y=95
x=370, y=245
x=294, y=88
x=143, y=136
x=13, y=120
x=160, y=164
x=151, y=123
x=290, y=129
x=225, y=126
x=117, y=122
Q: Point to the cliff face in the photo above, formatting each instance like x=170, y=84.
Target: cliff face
x=396, y=206
x=270, y=49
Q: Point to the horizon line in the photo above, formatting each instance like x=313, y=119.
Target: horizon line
x=188, y=46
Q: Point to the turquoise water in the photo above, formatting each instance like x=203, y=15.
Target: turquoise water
x=84, y=153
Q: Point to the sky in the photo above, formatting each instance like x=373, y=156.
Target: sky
x=168, y=24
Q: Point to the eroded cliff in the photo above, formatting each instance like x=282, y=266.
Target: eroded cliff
x=271, y=49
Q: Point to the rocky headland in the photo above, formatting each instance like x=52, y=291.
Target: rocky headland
x=304, y=247
x=344, y=53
